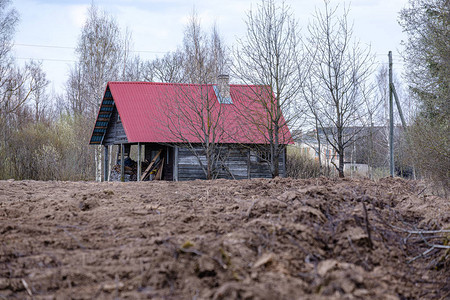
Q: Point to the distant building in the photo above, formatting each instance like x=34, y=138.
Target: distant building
x=308, y=146
x=367, y=148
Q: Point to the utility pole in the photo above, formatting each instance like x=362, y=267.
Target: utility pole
x=391, y=120
x=393, y=94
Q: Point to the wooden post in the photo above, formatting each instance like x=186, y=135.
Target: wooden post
x=402, y=118
x=110, y=161
x=139, y=163
x=106, y=164
x=249, y=165
x=391, y=120
x=175, y=163
x=122, y=163
x=399, y=108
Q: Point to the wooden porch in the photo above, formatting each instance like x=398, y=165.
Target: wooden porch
x=141, y=162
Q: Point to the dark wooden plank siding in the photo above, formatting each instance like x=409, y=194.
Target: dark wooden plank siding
x=258, y=167
x=115, y=134
x=234, y=164
x=188, y=165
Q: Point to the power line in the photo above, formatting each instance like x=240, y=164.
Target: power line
x=73, y=48
x=43, y=46
x=47, y=59
x=148, y=51
x=378, y=54
x=386, y=63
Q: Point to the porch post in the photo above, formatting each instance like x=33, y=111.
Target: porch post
x=139, y=162
x=175, y=163
x=249, y=165
x=122, y=163
x=111, y=149
x=106, y=164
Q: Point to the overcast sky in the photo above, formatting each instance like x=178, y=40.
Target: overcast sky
x=49, y=29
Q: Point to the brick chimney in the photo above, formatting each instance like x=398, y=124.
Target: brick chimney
x=223, y=83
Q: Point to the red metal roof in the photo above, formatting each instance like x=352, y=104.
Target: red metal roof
x=175, y=113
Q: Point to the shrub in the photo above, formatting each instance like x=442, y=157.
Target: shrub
x=429, y=142
x=299, y=165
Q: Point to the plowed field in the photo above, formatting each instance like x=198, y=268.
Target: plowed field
x=250, y=239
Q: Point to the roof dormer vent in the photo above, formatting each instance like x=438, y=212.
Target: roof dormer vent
x=222, y=89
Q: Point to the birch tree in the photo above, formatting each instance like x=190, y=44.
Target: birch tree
x=17, y=86
x=102, y=57
x=9, y=74
x=100, y=53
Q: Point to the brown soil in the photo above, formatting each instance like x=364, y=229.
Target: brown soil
x=250, y=239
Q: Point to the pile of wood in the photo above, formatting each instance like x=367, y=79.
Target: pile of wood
x=153, y=169
x=130, y=173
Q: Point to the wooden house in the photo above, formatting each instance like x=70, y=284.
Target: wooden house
x=167, y=122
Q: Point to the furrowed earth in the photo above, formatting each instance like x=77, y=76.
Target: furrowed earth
x=249, y=239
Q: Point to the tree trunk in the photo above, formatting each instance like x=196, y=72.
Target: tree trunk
x=340, y=151
x=341, y=162
x=208, y=162
x=98, y=163
x=319, y=151
x=276, y=164
x=276, y=152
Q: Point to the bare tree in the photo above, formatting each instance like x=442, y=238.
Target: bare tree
x=169, y=68
x=8, y=72
x=39, y=82
x=340, y=68
x=100, y=52
x=268, y=59
x=102, y=56
x=135, y=69
x=204, y=56
x=75, y=92
x=373, y=105
x=18, y=85
x=196, y=115
x=310, y=93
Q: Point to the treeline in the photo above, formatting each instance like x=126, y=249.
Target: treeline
x=427, y=55
x=322, y=79
x=46, y=136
